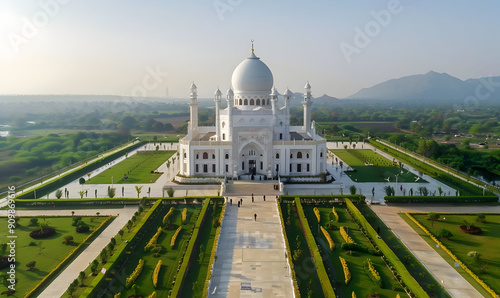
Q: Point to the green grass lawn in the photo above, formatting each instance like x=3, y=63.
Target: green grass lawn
x=137, y=167
x=378, y=170
x=360, y=283
x=487, y=243
x=47, y=253
x=170, y=256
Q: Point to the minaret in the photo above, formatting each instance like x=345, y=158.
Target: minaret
x=193, y=107
x=230, y=102
x=287, y=95
x=274, y=100
x=307, y=104
x=218, y=96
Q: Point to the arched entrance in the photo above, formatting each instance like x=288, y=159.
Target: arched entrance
x=252, y=160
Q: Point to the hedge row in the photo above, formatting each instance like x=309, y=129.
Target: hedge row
x=66, y=260
x=153, y=241
x=93, y=288
x=288, y=252
x=188, y=255
x=476, y=278
x=316, y=256
x=390, y=256
x=327, y=199
x=212, y=256
x=75, y=174
x=137, y=271
x=441, y=199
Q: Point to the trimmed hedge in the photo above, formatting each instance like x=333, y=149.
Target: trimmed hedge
x=361, y=248
x=212, y=256
x=137, y=271
x=390, y=256
x=441, y=199
x=75, y=174
x=188, y=255
x=324, y=280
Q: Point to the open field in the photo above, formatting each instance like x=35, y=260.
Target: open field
x=369, y=166
x=487, y=244
x=138, y=168
x=48, y=252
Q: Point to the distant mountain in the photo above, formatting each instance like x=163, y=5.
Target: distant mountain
x=429, y=86
x=326, y=98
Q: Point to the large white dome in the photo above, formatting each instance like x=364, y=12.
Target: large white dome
x=252, y=75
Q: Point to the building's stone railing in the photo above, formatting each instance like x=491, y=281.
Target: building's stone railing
x=200, y=180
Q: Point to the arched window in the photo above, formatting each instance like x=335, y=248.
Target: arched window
x=213, y=156
x=299, y=154
x=223, y=124
x=257, y=102
x=240, y=101
x=184, y=154
x=227, y=156
x=263, y=102
x=307, y=155
x=245, y=102
x=321, y=154
x=197, y=156
x=205, y=155
x=277, y=155
x=252, y=102
x=291, y=155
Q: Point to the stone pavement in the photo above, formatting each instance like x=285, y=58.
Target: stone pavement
x=251, y=252
x=65, y=278
x=450, y=279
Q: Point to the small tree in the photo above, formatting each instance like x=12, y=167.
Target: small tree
x=352, y=189
x=71, y=289
x=474, y=255
x=111, y=192
x=423, y=191
x=170, y=192
x=481, y=218
x=81, y=180
x=33, y=221
x=443, y=233
x=389, y=190
x=81, y=193
x=138, y=189
x=68, y=239
x=103, y=256
x=81, y=277
x=31, y=265
x=129, y=225
x=440, y=190
x=43, y=224
x=432, y=216
x=93, y=266
x=59, y=193
x=121, y=232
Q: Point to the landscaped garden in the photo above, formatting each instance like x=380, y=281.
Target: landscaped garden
x=470, y=240
x=52, y=240
x=353, y=262
x=138, y=168
x=368, y=166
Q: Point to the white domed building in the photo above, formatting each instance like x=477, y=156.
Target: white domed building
x=252, y=135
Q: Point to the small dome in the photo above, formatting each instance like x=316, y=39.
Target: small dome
x=252, y=75
x=274, y=92
x=230, y=92
x=218, y=92
x=307, y=86
x=287, y=92
x=193, y=86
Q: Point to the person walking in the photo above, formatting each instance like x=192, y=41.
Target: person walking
x=264, y=198
x=255, y=216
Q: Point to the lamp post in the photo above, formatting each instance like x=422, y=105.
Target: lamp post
x=111, y=181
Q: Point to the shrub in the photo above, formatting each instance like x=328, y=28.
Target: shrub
x=153, y=295
x=156, y=272
x=318, y=216
x=335, y=214
x=329, y=238
x=82, y=229
x=346, y=236
x=133, y=277
x=41, y=234
x=347, y=273
x=68, y=240
x=172, y=241
x=443, y=233
x=31, y=265
x=166, y=218
x=184, y=215
x=360, y=248
x=33, y=221
x=152, y=242
x=353, y=294
x=372, y=273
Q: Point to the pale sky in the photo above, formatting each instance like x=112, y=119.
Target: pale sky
x=123, y=47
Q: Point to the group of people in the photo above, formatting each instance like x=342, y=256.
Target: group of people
x=240, y=203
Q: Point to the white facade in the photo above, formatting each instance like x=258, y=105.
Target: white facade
x=252, y=135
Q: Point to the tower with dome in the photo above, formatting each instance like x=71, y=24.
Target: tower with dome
x=252, y=135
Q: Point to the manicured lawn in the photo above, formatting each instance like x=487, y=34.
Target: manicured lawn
x=360, y=282
x=487, y=243
x=138, y=168
x=171, y=257
x=376, y=169
x=307, y=278
x=47, y=253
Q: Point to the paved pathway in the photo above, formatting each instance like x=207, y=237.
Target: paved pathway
x=451, y=280
x=62, y=282
x=251, y=252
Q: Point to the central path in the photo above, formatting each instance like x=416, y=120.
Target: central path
x=251, y=258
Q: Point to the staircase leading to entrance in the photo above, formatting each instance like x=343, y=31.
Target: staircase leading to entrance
x=247, y=188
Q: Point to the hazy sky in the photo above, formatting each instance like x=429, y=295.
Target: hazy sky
x=152, y=48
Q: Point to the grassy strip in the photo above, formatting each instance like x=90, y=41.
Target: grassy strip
x=42, y=190
x=288, y=251
x=316, y=256
x=472, y=274
x=188, y=253
x=436, y=173
x=93, y=287
x=441, y=199
x=212, y=256
x=390, y=256
x=63, y=263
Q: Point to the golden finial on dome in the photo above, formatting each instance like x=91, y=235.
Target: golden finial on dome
x=252, y=45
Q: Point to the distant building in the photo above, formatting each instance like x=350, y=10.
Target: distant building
x=252, y=135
